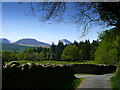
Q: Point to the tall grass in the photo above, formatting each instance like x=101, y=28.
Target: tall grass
x=71, y=85
x=115, y=83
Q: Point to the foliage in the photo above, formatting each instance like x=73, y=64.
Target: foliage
x=71, y=52
x=118, y=72
x=84, y=51
x=86, y=14
x=6, y=55
x=43, y=55
x=94, y=46
x=59, y=50
x=72, y=84
x=21, y=56
x=108, y=50
x=14, y=47
x=115, y=83
x=115, y=80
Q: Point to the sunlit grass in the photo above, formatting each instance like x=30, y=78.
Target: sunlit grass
x=53, y=62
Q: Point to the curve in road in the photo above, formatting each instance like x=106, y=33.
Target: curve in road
x=95, y=81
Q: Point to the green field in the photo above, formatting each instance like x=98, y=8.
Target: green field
x=53, y=62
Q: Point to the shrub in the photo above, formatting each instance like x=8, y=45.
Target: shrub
x=118, y=71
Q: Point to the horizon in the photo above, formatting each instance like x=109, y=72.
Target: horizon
x=17, y=24
x=43, y=41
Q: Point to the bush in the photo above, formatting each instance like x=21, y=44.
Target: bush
x=118, y=71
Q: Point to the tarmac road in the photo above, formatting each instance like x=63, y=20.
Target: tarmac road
x=95, y=81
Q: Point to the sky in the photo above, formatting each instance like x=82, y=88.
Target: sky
x=18, y=24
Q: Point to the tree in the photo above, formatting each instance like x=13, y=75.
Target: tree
x=14, y=56
x=86, y=14
x=52, y=51
x=71, y=52
x=29, y=54
x=6, y=55
x=37, y=56
x=39, y=49
x=21, y=56
x=58, y=50
x=75, y=43
x=94, y=46
x=43, y=55
x=52, y=48
x=118, y=71
x=108, y=50
x=85, y=49
x=110, y=12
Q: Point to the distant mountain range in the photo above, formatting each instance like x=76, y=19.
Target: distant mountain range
x=31, y=42
x=21, y=44
x=4, y=40
x=25, y=43
x=65, y=41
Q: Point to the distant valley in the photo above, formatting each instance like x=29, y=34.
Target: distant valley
x=13, y=47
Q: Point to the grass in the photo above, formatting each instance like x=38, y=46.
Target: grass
x=54, y=62
x=115, y=83
x=77, y=82
x=83, y=74
x=71, y=85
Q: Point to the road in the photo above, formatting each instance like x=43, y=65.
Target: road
x=95, y=81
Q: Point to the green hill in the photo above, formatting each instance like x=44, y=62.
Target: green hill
x=13, y=47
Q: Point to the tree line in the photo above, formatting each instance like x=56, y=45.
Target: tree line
x=84, y=50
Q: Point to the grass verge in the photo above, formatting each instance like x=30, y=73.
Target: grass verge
x=83, y=74
x=115, y=83
x=71, y=85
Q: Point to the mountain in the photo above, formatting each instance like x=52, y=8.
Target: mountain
x=4, y=40
x=31, y=42
x=65, y=41
x=13, y=47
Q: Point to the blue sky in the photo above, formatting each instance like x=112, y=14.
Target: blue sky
x=17, y=24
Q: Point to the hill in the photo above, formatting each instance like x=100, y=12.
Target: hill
x=31, y=42
x=65, y=41
x=13, y=47
x=4, y=40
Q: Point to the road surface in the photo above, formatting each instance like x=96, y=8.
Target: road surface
x=95, y=81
